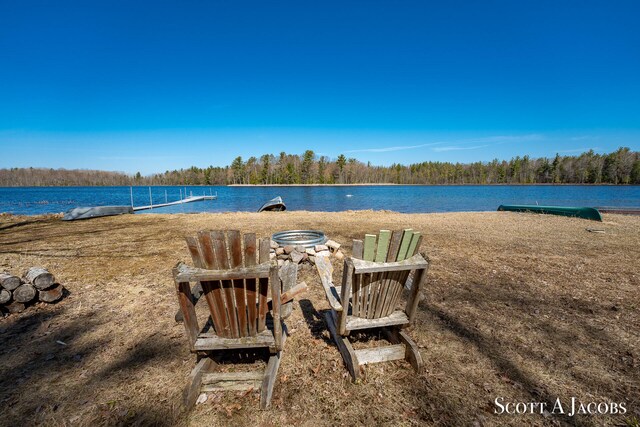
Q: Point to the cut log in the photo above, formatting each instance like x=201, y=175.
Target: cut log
x=40, y=278
x=24, y=293
x=51, y=295
x=15, y=307
x=9, y=282
x=5, y=296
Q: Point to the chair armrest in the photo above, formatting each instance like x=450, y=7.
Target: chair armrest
x=185, y=273
x=413, y=263
x=325, y=270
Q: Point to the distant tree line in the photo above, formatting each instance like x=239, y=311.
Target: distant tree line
x=41, y=177
x=619, y=167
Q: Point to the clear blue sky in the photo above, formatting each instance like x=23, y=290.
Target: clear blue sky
x=150, y=86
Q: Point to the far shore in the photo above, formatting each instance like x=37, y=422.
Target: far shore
x=391, y=184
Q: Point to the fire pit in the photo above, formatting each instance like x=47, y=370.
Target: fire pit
x=306, y=238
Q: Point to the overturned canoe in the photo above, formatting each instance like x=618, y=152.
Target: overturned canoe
x=97, y=211
x=586, y=213
x=275, y=204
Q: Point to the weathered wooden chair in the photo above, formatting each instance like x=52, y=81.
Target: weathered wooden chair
x=236, y=279
x=372, y=284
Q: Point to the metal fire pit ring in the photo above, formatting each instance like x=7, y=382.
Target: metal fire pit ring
x=306, y=238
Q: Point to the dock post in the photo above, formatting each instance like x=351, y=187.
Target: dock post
x=165, y=197
x=131, y=190
x=150, y=199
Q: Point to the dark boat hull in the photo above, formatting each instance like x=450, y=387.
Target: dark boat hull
x=276, y=204
x=586, y=213
x=95, y=212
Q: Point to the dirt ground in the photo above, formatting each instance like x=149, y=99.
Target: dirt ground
x=523, y=307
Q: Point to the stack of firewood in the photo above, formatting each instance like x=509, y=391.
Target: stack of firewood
x=302, y=254
x=37, y=284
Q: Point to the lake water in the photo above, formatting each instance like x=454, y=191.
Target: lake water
x=41, y=200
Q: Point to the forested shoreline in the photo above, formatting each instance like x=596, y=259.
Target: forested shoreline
x=619, y=167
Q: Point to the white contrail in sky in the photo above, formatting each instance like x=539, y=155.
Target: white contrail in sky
x=491, y=140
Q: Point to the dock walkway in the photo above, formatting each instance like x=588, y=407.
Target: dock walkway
x=177, y=202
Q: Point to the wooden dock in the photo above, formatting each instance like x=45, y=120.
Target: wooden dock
x=177, y=202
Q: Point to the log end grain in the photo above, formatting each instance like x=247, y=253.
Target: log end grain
x=40, y=278
x=24, y=293
x=5, y=296
x=9, y=282
x=52, y=294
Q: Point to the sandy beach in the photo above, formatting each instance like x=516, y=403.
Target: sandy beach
x=530, y=308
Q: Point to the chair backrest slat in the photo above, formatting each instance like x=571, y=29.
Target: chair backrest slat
x=250, y=284
x=404, y=245
x=264, y=250
x=358, y=249
x=235, y=248
x=249, y=249
x=383, y=246
x=413, y=246
x=263, y=285
x=356, y=294
x=194, y=250
x=369, y=247
x=394, y=245
x=220, y=248
x=206, y=250
x=374, y=294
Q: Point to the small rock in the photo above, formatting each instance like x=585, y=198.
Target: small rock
x=310, y=251
x=280, y=262
x=338, y=254
x=296, y=257
x=333, y=245
x=272, y=255
x=320, y=248
x=279, y=251
x=300, y=248
x=288, y=249
x=201, y=399
x=282, y=257
x=273, y=245
x=312, y=260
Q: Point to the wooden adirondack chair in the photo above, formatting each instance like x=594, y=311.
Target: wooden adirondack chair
x=235, y=285
x=372, y=284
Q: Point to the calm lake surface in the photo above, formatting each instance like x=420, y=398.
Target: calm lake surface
x=42, y=200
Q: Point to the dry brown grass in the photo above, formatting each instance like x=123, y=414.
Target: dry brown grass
x=523, y=306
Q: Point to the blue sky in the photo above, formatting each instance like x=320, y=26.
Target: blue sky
x=150, y=86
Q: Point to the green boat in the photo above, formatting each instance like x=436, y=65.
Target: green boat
x=586, y=213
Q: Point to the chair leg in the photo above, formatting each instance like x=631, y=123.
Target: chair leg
x=412, y=354
x=192, y=391
x=345, y=347
x=270, y=375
